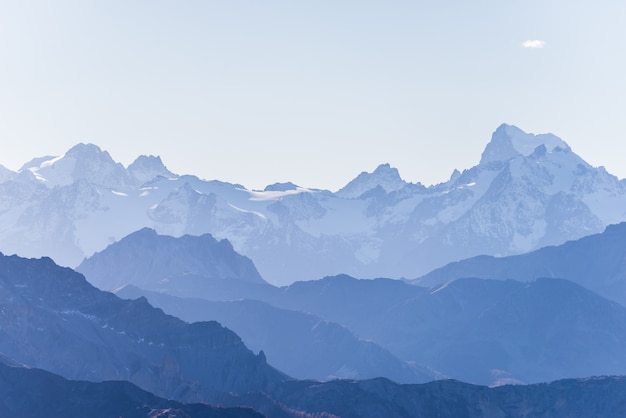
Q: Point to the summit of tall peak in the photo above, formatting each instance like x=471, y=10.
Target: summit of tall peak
x=86, y=150
x=509, y=141
x=81, y=162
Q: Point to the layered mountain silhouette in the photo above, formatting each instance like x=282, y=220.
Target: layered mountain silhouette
x=480, y=331
x=201, y=270
x=595, y=397
x=300, y=344
x=185, y=266
x=26, y=393
x=51, y=318
x=597, y=262
x=526, y=289
x=528, y=191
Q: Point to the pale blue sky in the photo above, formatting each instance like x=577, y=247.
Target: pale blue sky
x=313, y=92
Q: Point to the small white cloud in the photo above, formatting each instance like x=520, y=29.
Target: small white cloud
x=533, y=43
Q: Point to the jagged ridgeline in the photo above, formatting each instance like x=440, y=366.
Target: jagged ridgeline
x=208, y=250
x=51, y=318
x=528, y=191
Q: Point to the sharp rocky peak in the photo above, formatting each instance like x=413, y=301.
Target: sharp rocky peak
x=148, y=167
x=384, y=175
x=509, y=141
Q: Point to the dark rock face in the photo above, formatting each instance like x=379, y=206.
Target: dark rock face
x=34, y=393
x=51, y=318
x=188, y=265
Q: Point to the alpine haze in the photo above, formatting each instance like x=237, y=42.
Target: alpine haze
x=479, y=331
x=51, y=318
x=528, y=191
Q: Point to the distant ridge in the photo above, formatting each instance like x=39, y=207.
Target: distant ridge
x=195, y=265
x=596, y=262
x=527, y=192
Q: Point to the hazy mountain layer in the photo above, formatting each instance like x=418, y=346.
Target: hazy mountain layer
x=188, y=265
x=51, y=318
x=480, y=331
x=597, y=262
x=528, y=191
x=302, y=345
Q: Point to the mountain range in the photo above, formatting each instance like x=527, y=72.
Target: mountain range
x=528, y=191
x=33, y=393
x=481, y=331
x=197, y=278
x=51, y=318
x=300, y=344
x=520, y=280
x=27, y=393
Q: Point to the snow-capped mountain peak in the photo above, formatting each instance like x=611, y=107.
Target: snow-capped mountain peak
x=83, y=161
x=509, y=141
x=147, y=167
x=529, y=191
x=385, y=176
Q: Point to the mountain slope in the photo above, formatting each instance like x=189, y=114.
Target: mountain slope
x=480, y=331
x=597, y=262
x=188, y=265
x=34, y=393
x=51, y=318
x=595, y=397
x=302, y=345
